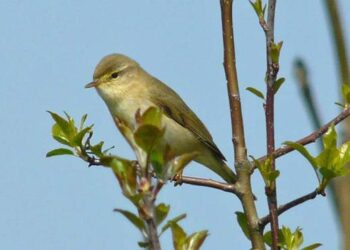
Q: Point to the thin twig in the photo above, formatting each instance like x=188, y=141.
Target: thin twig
x=311, y=137
x=283, y=208
x=231, y=188
x=242, y=165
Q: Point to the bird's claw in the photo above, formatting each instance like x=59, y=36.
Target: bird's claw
x=177, y=179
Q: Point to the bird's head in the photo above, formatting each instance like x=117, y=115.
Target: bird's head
x=112, y=70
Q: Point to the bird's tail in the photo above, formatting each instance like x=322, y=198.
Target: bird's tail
x=219, y=167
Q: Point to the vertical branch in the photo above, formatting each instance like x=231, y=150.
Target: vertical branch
x=232, y=82
x=271, y=74
x=241, y=163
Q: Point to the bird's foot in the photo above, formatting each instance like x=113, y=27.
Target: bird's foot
x=177, y=179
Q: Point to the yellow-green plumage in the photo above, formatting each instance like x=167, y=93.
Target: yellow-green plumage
x=126, y=87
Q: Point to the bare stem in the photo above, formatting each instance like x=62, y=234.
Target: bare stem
x=151, y=226
x=242, y=165
x=231, y=188
x=283, y=208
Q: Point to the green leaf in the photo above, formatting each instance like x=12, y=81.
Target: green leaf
x=345, y=89
x=179, y=236
x=59, y=151
x=312, y=247
x=275, y=51
x=126, y=175
x=152, y=116
x=291, y=240
x=302, y=150
x=174, y=220
x=78, y=138
x=265, y=168
x=67, y=126
x=147, y=136
x=330, y=138
x=143, y=244
x=97, y=149
x=257, y=6
x=157, y=161
x=344, y=154
x=195, y=240
x=243, y=223
x=82, y=121
x=161, y=212
x=133, y=218
x=278, y=84
x=59, y=136
x=256, y=92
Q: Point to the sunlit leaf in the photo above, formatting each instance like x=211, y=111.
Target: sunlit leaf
x=67, y=126
x=278, y=84
x=195, y=240
x=302, y=150
x=152, y=116
x=59, y=151
x=78, y=138
x=179, y=236
x=133, y=218
x=330, y=138
x=147, y=136
x=312, y=246
x=174, y=220
x=161, y=212
x=256, y=92
x=82, y=121
x=275, y=51
x=126, y=175
x=97, y=149
x=59, y=136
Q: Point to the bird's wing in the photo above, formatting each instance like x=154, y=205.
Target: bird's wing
x=175, y=108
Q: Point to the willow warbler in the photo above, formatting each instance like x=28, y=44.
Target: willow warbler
x=126, y=88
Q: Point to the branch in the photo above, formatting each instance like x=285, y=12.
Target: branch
x=242, y=164
x=232, y=82
x=311, y=137
x=231, y=188
x=271, y=74
x=152, y=229
x=283, y=208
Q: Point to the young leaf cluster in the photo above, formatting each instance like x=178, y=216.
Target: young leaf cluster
x=135, y=178
x=331, y=162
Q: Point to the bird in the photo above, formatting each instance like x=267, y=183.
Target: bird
x=126, y=88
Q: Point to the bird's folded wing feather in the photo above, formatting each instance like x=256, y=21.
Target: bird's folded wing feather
x=175, y=108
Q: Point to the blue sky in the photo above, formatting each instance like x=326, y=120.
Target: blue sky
x=48, y=53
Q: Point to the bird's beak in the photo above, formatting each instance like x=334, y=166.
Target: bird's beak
x=92, y=84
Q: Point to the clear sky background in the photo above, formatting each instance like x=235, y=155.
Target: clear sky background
x=48, y=53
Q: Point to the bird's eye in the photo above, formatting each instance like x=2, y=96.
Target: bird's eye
x=115, y=75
